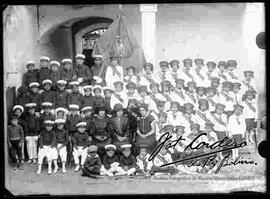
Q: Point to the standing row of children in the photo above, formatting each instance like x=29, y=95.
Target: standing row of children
x=182, y=104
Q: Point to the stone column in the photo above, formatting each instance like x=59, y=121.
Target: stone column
x=254, y=23
x=148, y=13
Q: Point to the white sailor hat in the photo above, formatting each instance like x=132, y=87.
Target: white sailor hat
x=110, y=146
x=97, y=56
x=81, y=124
x=74, y=83
x=87, y=108
x=97, y=87
x=18, y=107
x=60, y=109
x=45, y=58
x=126, y=146
x=55, y=63
x=74, y=107
x=46, y=104
x=49, y=122
x=87, y=87
x=47, y=81
x=108, y=88
x=66, y=60
x=30, y=105
x=80, y=56
x=34, y=84
x=30, y=62
x=61, y=81
x=59, y=121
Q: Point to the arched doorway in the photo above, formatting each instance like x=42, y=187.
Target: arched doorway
x=89, y=40
x=86, y=35
x=65, y=40
x=86, y=38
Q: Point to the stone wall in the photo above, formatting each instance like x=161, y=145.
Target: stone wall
x=20, y=41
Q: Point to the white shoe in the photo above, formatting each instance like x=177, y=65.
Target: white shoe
x=49, y=171
x=64, y=170
x=38, y=171
x=55, y=170
x=77, y=168
x=29, y=161
x=34, y=161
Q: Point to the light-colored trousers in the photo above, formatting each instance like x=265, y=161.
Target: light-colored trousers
x=31, y=144
x=79, y=152
x=48, y=152
x=61, y=152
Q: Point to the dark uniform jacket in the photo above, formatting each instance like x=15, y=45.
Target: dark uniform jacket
x=44, y=73
x=82, y=71
x=29, y=77
x=98, y=102
x=108, y=106
x=88, y=121
x=47, y=138
x=22, y=100
x=80, y=139
x=44, y=116
x=119, y=127
x=129, y=161
x=61, y=136
x=60, y=99
x=54, y=76
x=34, y=98
x=33, y=126
x=100, y=126
x=75, y=98
x=47, y=96
x=132, y=115
x=71, y=123
x=94, y=163
x=87, y=101
x=107, y=161
x=95, y=70
x=23, y=124
x=67, y=75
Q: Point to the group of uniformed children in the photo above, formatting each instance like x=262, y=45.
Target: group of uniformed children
x=109, y=126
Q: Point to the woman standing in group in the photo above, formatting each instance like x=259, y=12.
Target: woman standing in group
x=146, y=131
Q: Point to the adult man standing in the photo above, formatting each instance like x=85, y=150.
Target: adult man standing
x=95, y=70
x=82, y=71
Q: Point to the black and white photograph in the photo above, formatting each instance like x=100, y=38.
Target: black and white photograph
x=105, y=99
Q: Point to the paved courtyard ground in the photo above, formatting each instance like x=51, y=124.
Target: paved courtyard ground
x=245, y=178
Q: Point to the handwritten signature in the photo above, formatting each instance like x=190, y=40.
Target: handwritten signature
x=209, y=159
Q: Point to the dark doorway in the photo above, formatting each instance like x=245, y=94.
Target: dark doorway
x=89, y=61
x=90, y=37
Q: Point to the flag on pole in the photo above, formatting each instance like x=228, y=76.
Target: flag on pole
x=120, y=40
